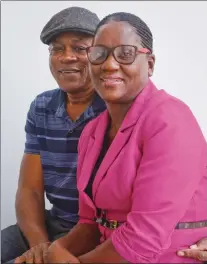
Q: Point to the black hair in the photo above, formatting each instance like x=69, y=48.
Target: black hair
x=141, y=28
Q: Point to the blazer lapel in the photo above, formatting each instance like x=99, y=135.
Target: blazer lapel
x=124, y=132
x=93, y=150
x=118, y=143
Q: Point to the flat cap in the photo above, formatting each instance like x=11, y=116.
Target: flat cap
x=76, y=19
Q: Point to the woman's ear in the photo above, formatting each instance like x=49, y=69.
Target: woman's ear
x=151, y=64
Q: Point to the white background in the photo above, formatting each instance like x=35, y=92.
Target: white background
x=180, y=34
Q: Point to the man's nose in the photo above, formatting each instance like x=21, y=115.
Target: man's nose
x=68, y=56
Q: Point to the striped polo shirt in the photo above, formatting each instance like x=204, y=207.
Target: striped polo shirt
x=51, y=134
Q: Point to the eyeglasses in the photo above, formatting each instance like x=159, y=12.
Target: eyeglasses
x=124, y=54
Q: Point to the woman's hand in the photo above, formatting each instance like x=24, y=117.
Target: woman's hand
x=58, y=254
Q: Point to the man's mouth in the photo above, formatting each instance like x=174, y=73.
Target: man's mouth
x=68, y=71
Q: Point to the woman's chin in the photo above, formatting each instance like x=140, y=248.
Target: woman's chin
x=113, y=99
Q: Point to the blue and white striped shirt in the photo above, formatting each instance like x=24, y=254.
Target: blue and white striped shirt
x=51, y=134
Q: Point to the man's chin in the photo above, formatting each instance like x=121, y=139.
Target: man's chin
x=72, y=89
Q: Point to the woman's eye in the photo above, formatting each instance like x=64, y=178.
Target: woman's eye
x=125, y=55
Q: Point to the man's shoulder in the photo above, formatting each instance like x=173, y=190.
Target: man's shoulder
x=92, y=124
x=45, y=97
x=49, y=93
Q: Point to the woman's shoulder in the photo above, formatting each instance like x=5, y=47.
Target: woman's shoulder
x=170, y=106
x=155, y=100
x=168, y=111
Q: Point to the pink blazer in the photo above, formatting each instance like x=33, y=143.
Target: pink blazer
x=152, y=177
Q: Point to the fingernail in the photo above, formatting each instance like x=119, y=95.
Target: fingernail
x=180, y=253
x=194, y=247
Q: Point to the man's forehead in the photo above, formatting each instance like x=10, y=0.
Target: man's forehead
x=72, y=37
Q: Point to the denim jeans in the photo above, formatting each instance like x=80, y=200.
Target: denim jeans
x=14, y=244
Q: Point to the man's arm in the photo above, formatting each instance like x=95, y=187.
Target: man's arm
x=197, y=251
x=30, y=205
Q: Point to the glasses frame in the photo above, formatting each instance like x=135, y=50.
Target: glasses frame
x=111, y=51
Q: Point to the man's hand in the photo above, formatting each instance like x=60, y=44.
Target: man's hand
x=58, y=254
x=197, y=251
x=35, y=254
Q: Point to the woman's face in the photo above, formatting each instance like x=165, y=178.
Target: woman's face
x=116, y=82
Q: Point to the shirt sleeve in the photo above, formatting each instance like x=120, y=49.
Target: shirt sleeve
x=32, y=144
x=172, y=165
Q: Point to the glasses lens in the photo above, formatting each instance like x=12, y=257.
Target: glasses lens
x=97, y=54
x=125, y=54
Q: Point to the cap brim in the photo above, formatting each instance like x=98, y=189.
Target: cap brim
x=50, y=37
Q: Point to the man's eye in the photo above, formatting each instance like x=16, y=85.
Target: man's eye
x=56, y=49
x=79, y=49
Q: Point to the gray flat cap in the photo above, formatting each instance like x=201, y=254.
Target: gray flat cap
x=76, y=19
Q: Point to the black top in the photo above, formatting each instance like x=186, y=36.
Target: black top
x=102, y=154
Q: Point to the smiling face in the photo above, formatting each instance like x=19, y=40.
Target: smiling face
x=116, y=82
x=68, y=61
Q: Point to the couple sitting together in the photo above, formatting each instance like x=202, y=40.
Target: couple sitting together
x=122, y=162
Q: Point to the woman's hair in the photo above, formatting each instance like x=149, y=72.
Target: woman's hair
x=137, y=23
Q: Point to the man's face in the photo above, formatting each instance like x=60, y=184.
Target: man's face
x=68, y=61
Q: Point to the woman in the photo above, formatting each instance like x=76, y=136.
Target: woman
x=142, y=163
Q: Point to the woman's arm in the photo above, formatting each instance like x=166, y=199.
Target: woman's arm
x=104, y=253
x=80, y=240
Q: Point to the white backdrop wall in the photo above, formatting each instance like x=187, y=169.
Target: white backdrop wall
x=180, y=44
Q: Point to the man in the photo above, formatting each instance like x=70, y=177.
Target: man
x=55, y=121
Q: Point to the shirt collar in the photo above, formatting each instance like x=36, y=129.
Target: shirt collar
x=98, y=105
x=58, y=101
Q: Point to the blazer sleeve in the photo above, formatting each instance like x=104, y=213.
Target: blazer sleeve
x=86, y=212
x=172, y=165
